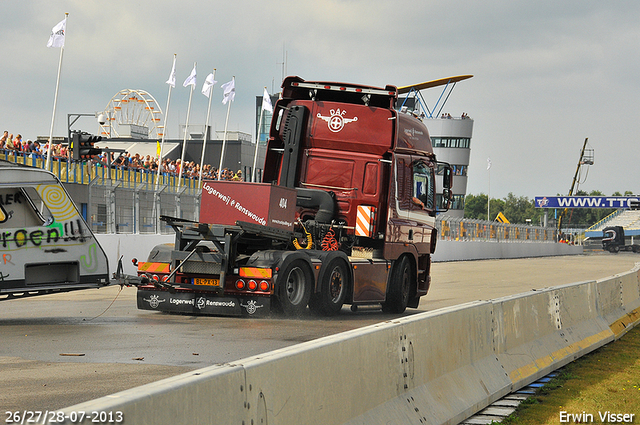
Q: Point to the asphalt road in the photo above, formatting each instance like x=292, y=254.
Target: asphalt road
x=60, y=350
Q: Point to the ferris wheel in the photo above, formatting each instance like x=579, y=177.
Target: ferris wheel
x=132, y=113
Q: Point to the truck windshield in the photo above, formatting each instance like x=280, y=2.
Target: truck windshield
x=423, y=184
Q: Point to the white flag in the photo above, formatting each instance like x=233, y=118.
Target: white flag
x=209, y=82
x=191, y=79
x=229, y=91
x=266, y=101
x=172, y=77
x=57, y=34
x=488, y=163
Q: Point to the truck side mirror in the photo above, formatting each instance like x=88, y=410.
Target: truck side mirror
x=447, y=181
x=447, y=174
x=447, y=196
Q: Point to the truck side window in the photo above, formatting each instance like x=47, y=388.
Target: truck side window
x=370, y=181
x=423, y=185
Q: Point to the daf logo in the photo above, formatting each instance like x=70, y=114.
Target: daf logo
x=251, y=306
x=336, y=121
x=154, y=301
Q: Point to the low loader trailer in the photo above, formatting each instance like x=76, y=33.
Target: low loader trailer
x=344, y=215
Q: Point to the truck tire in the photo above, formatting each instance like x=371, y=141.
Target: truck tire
x=294, y=287
x=334, y=281
x=400, y=285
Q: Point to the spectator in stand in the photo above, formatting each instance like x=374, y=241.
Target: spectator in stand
x=10, y=144
x=57, y=151
x=17, y=143
x=147, y=163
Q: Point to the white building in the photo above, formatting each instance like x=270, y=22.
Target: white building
x=450, y=135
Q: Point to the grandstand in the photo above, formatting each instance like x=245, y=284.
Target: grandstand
x=628, y=219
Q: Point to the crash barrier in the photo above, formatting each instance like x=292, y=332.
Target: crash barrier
x=447, y=250
x=438, y=367
x=83, y=172
x=461, y=229
x=122, y=200
x=129, y=247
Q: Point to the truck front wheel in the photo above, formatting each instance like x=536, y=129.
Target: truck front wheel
x=400, y=284
x=294, y=287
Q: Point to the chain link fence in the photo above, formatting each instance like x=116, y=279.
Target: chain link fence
x=123, y=200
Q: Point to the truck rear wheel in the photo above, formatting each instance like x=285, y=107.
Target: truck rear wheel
x=400, y=286
x=333, y=289
x=294, y=287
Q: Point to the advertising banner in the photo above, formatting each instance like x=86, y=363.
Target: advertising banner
x=587, y=201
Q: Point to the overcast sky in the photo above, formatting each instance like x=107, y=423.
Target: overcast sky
x=547, y=74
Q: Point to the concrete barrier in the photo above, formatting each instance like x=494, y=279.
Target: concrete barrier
x=130, y=246
x=438, y=367
x=449, y=369
x=139, y=246
x=619, y=301
x=539, y=332
x=199, y=397
x=484, y=250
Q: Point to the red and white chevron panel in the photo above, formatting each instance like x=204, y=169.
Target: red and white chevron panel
x=364, y=220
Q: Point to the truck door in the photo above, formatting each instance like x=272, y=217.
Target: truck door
x=414, y=201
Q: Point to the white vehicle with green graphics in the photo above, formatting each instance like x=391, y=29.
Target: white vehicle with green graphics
x=45, y=244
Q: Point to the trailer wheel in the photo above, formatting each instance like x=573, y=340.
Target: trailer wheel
x=294, y=287
x=333, y=289
x=400, y=287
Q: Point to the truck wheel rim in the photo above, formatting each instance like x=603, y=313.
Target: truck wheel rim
x=295, y=286
x=335, y=286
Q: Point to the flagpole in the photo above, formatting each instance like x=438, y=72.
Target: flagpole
x=206, y=128
x=489, y=195
x=164, y=130
x=224, y=139
x=255, y=155
x=186, y=130
x=55, y=103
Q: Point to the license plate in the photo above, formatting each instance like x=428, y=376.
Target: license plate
x=206, y=282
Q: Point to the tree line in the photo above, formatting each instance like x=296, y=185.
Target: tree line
x=518, y=209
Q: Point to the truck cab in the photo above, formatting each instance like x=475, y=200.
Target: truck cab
x=362, y=168
x=345, y=214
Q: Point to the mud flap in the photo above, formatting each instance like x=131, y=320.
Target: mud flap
x=202, y=303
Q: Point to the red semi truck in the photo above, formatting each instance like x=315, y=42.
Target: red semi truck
x=345, y=214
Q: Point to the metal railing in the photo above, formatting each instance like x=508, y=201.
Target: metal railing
x=460, y=229
x=122, y=200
